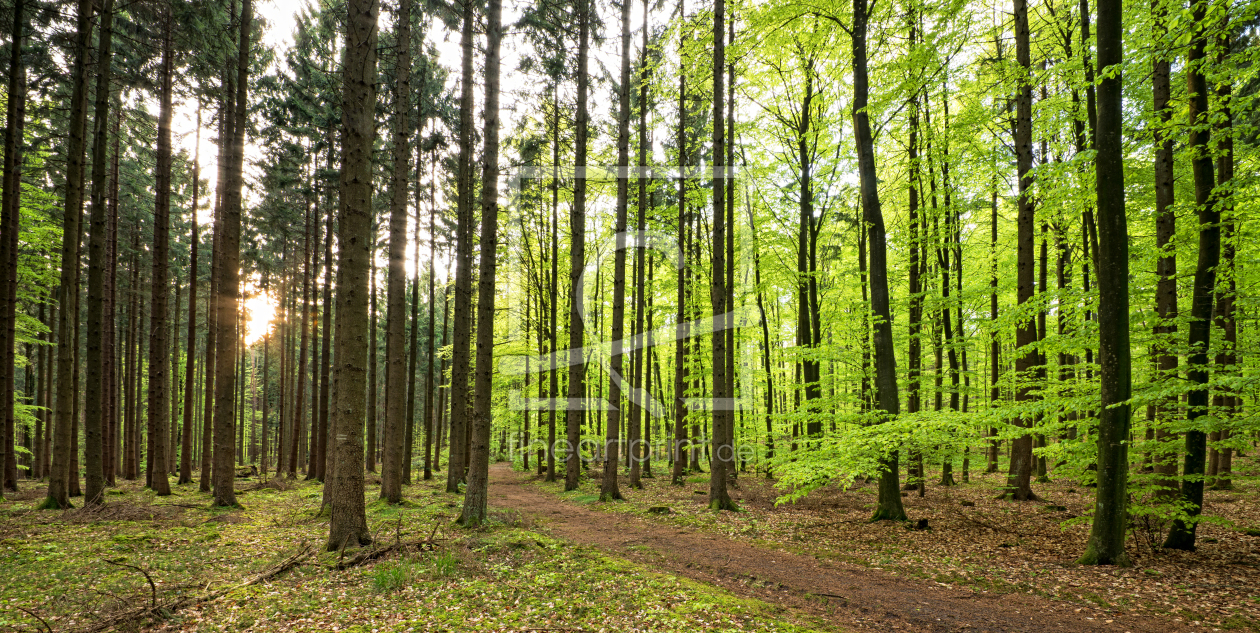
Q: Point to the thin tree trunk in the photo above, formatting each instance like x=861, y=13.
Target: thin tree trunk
x=577, y=260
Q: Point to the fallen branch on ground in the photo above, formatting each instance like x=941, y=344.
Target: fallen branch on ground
x=160, y=610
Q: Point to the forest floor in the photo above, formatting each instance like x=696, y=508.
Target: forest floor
x=149, y=563
x=983, y=564
x=557, y=561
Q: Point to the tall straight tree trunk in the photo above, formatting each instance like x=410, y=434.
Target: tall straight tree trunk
x=159, y=347
x=1165, y=232
x=577, y=260
x=722, y=459
x=10, y=224
x=1106, y=537
x=316, y=441
x=555, y=289
x=1182, y=534
x=185, y=454
x=64, y=441
x=348, y=524
x=298, y=422
x=995, y=342
x=395, y=287
x=474, y=510
x=463, y=260
x=373, y=404
x=608, y=489
x=227, y=338
x=1019, y=475
x=325, y=364
x=209, y=365
x=640, y=301
x=681, y=342
x=412, y=363
x=129, y=377
x=112, y=364
x=889, y=506
x=429, y=366
x=1227, y=400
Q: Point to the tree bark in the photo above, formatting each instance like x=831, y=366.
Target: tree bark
x=1182, y=534
x=577, y=261
x=395, y=287
x=159, y=345
x=348, y=524
x=1019, y=475
x=463, y=261
x=227, y=337
x=474, y=511
x=64, y=442
x=1106, y=538
x=609, y=490
x=10, y=225
x=889, y=506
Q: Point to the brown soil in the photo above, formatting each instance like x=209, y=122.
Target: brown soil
x=846, y=595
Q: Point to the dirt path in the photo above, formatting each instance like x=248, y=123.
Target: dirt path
x=849, y=596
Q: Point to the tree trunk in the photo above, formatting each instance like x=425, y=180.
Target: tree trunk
x=395, y=286
x=298, y=423
x=474, y=510
x=682, y=334
x=1019, y=475
x=64, y=442
x=1106, y=538
x=1165, y=464
x=889, y=506
x=10, y=225
x=412, y=364
x=609, y=490
x=722, y=459
x=325, y=363
x=227, y=337
x=577, y=261
x=1182, y=534
x=1226, y=286
x=348, y=524
x=159, y=346
x=463, y=261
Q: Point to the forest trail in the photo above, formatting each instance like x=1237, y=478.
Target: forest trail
x=846, y=595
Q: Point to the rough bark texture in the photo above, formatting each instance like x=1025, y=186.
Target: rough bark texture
x=474, y=511
x=609, y=489
x=463, y=263
x=64, y=441
x=348, y=523
x=10, y=224
x=395, y=286
x=577, y=261
x=228, y=300
x=159, y=343
x=723, y=456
